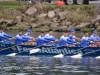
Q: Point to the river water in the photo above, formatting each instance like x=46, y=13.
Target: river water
x=43, y=65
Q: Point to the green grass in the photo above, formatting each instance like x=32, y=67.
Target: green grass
x=10, y=4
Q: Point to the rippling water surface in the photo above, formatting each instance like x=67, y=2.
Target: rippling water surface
x=42, y=65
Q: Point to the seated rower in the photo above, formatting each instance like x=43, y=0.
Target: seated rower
x=40, y=39
x=94, y=39
x=19, y=40
x=31, y=40
x=85, y=40
x=72, y=38
x=63, y=39
x=5, y=37
x=49, y=38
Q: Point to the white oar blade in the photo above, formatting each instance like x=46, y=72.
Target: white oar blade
x=98, y=57
x=59, y=56
x=79, y=56
x=12, y=54
x=34, y=51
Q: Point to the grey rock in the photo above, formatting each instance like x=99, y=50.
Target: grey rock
x=16, y=13
x=31, y=11
x=42, y=15
x=46, y=23
x=96, y=20
x=68, y=23
x=98, y=28
x=2, y=20
x=51, y=14
x=63, y=28
x=62, y=14
x=57, y=10
x=18, y=19
x=97, y=10
x=82, y=25
x=34, y=25
x=10, y=23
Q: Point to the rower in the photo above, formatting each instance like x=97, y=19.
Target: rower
x=85, y=40
x=19, y=40
x=72, y=38
x=49, y=38
x=5, y=37
x=63, y=39
x=94, y=39
x=40, y=39
x=31, y=40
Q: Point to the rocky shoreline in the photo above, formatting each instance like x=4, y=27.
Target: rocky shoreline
x=59, y=20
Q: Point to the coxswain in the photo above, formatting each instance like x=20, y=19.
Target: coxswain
x=94, y=39
x=49, y=38
x=19, y=40
x=40, y=39
x=72, y=38
x=63, y=39
x=4, y=38
x=31, y=40
x=85, y=40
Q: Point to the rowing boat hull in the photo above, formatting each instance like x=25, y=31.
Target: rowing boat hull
x=49, y=50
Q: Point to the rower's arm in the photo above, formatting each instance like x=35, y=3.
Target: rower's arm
x=6, y=35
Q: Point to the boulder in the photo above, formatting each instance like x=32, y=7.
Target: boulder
x=2, y=21
x=42, y=15
x=31, y=11
x=98, y=28
x=57, y=10
x=96, y=20
x=19, y=19
x=54, y=25
x=97, y=10
x=10, y=23
x=46, y=23
x=62, y=15
x=82, y=25
x=16, y=13
x=63, y=28
x=34, y=25
x=51, y=14
x=68, y=23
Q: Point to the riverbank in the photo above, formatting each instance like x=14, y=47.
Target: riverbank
x=41, y=17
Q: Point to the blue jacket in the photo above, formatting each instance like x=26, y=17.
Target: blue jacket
x=93, y=38
x=40, y=40
x=84, y=41
x=19, y=40
x=63, y=41
x=26, y=36
x=71, y=39
x=4, y=36
x=48, y=38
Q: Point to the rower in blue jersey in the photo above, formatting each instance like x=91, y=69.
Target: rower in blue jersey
x=5, y=37
x=19, y=40
x=40, y=39
x=94, y=39
x=63, y=39
x=31, y=40
x=72, y=38
x=50, y=38
x=85, y=40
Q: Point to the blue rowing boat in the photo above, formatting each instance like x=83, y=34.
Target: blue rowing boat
x=48, y=50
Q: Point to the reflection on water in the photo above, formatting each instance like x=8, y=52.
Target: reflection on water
x=31, y=65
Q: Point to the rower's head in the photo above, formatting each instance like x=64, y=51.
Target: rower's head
x=50, y=31
x=86, y=34
x=1, y=29
x=29, y=31
x=94, y=33
x=72, y=31
x=20, y=32
x=65, y=33
x=42, y=34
